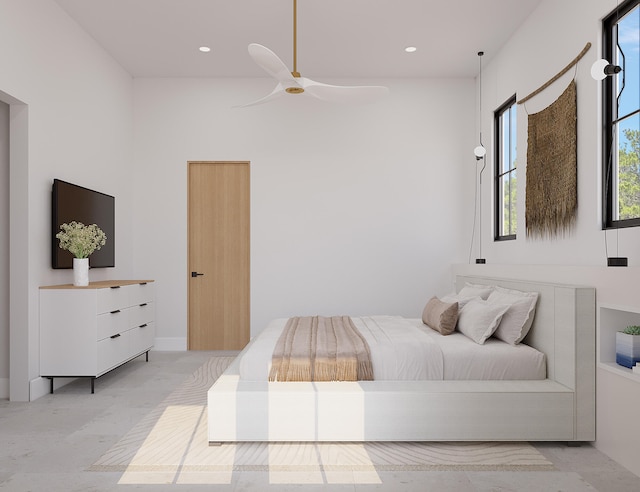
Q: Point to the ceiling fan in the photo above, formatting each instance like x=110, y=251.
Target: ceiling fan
x=291, y=82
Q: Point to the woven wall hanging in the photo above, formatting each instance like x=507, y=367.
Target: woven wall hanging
x=552, y=194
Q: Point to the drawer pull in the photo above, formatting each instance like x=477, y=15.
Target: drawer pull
x=143, y=326
x=115, y=336
x=143, y=305
x=114, y=287
x=114, y=312
x=143, y=283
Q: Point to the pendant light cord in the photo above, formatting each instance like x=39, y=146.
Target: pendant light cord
x=480, y=55
x=484, y=162
x=477, y=207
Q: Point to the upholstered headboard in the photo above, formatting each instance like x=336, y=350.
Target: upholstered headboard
x=563, y=327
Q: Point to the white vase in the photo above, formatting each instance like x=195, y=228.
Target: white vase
x=81, y=272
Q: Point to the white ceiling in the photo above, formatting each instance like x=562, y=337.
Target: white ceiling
x=336, y=38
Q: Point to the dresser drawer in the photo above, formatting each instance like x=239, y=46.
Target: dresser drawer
x=112, y=323
x=142, y=338
x=112, y=352
x=113, y=298
x=141, y=293
x=139, y=315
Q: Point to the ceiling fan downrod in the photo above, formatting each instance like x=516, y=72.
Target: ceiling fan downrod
x=295, y=73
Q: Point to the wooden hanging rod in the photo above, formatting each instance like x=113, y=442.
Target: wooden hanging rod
x=558, y=75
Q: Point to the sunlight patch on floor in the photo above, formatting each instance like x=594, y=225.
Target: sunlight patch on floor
x=176, y=451
x=320, y=463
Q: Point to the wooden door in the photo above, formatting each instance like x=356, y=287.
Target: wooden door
x=218, y=275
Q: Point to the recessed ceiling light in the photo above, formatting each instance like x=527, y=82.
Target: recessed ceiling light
x=204, y=49
x=410, y=49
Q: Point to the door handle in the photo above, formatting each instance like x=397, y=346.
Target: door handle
x=196, y=274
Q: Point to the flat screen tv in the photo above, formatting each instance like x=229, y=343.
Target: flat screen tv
x=72, y=202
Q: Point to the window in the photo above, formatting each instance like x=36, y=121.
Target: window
x=621, y=118
x=506, y=191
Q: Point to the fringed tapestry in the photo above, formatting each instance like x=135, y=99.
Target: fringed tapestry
x=552, y=176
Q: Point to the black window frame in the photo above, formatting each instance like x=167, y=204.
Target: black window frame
x=610, y=118
x=498, y=171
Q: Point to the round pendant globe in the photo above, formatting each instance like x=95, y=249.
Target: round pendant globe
x=480, y=151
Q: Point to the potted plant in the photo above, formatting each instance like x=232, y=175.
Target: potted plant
x=628, y=346
x=81, y=240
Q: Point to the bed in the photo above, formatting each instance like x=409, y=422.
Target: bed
x=559, y=407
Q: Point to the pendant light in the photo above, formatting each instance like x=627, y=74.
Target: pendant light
x=480, y=153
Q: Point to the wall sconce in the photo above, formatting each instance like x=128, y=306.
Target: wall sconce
x=601, y=69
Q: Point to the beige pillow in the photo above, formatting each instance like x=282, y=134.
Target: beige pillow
x=441, y=316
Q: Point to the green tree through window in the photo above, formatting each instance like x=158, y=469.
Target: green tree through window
x=629, y=176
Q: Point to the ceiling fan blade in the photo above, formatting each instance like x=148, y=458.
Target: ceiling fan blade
x=356, y=94
x=271, y=64
x=293, y=83
x=276, y=93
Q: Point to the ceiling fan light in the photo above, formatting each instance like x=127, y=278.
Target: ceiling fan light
x=602, y=68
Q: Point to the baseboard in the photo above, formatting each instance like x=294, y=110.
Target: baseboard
x=4, y=388
x=40, y=386
x=170, y=344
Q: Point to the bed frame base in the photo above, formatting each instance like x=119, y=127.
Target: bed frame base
x=560, y=408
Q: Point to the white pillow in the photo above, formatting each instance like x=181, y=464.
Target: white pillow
x=476, y=290
x=478, y=319
x=461, y=300
x=517, y=321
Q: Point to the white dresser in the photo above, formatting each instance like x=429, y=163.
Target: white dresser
x=88, y=331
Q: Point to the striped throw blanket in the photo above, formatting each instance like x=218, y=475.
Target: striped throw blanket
x=317, y=348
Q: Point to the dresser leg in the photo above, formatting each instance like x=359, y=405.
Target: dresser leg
x=51, y=386
x=93, y=380
x=147, y=354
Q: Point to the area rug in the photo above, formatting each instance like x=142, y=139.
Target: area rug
x=170, y=446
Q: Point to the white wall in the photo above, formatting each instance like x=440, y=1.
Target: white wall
x=353, y=209
x=79, y=129
x=552, y=36
x=390, y=180
x=4, y=250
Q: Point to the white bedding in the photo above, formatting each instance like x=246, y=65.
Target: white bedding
x=495, y=360
x=406, y=349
